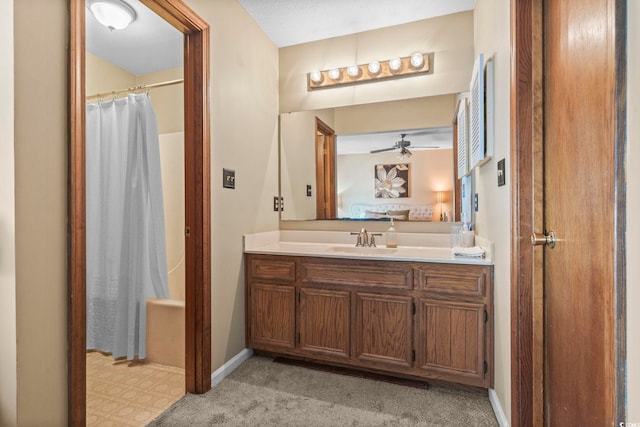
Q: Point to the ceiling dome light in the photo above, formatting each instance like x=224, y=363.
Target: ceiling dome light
x=353, y=70
x=315, y=76
x=113, y=14
x=374, y=67
x=334, y=73
x=417, y=60
x=395, y=64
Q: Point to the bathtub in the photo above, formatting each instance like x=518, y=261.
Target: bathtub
x=165, y=332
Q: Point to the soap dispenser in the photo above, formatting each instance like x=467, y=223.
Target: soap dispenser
x=392, y=236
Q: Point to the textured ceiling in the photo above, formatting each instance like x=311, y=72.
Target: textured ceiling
x=290, y=22
x=151, y=44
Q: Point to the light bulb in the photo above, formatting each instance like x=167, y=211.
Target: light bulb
x=374, y=67
x=417, y=60
x=334, y=73
x=395, y=64
x=315, y=76
x=113, y=14
x=353, y=70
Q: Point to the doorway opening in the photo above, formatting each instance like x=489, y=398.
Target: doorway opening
x=197, y=201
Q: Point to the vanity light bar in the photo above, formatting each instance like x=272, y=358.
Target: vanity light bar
x=416, y=64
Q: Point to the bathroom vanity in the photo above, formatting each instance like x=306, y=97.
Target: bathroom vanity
x=415, y=311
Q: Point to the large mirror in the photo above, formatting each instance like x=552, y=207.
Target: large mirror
x=370, y=161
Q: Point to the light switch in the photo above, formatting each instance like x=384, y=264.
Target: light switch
x=228, y=178
x=501, y=173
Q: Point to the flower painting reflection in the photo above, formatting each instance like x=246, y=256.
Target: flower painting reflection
x=392, y=181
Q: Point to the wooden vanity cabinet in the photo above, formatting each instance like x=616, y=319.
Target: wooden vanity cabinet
x=454, y=322
x=271, y=302
x=424, y=320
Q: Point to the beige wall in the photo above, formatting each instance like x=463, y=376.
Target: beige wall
x=102, y=76
x=492, y=37
x=449, y=38
x=40, y=178
x=244, y=117
x=413, y=113
x=633, y=207
x=168, y=102
x=8, y=357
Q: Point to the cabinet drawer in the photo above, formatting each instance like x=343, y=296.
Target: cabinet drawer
x=272, y=269
x=357, y=273
x=456, y=279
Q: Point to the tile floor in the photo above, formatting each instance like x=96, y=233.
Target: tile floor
x=123, y=393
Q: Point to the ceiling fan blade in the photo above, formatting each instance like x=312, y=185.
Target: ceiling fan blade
x=427, y=146
x=431, y=131
x=382, y=149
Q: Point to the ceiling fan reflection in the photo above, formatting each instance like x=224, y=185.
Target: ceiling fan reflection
x=402, y=145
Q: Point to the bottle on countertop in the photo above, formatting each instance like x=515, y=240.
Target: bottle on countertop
x=392, y=236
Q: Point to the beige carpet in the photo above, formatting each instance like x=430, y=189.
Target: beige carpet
x=263, y=393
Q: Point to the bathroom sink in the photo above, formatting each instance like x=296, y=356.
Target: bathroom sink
x=362, y=250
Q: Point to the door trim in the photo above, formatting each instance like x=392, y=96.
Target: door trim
x=325, y=158
x=197, y=202
x=527, y=336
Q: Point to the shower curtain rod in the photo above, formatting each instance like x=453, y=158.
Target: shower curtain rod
x=136, y=88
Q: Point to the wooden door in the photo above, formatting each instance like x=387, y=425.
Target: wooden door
x=579, y=49
x=324, y=322
x=383, y=330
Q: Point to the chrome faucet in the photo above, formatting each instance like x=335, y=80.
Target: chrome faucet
x=365, y=238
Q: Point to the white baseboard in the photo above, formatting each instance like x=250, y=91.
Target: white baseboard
x=224, y=370
x=497, y=408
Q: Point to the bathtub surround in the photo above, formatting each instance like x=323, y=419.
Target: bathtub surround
x=126, y=254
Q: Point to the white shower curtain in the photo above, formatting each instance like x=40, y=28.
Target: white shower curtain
x=126, y=254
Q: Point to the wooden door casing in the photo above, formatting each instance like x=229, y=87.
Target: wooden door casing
x=197, y=200
x=325, y=170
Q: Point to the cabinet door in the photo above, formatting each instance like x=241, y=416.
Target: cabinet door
x=450, y=340
x=324, y=322
x=383, y=330
x=272, y=314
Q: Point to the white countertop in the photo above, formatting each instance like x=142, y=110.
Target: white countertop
x=417, y=247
